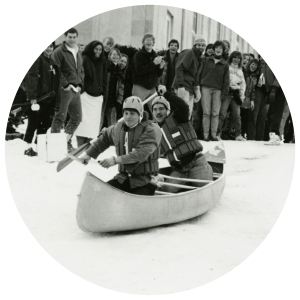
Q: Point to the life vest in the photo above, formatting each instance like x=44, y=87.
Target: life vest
x=147, y=167
x=179, y=140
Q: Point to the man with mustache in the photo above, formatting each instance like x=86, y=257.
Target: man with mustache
x=179, y=140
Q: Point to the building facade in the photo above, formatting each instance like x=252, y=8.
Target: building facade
x=128, y=25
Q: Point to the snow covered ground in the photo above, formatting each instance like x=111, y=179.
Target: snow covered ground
x=164, y=259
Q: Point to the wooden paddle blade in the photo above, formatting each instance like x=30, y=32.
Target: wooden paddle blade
x=67, y=160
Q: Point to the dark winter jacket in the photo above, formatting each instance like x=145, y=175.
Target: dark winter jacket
x=42, y=78
x=214, y=75
x=251, y=79
x=95, y=76
x=168, y=74
x=187, y=70
x=144, y=71
x=70, y=74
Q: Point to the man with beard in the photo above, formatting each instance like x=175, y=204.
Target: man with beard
x=179, y=140
x=187, y=69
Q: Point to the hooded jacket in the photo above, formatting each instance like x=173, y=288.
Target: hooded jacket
x=144, y=71
x=187, y=70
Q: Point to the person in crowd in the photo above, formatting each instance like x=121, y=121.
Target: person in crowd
x=251, y=74
x=277, y=102
x=209, y=51
x=137, y=141
x=179, y=141
x=236, y=95
x=81, y=47
x=129, y=51
x=123, y=64
x=69, y=60
x=246, y=60
x=226, y=52
x=115, y=87
x=257, y=117
x=170, y=57
x=147, y=68
x=108, y=43
x=17, y=114
x=41, y=79
x=252, y=56
x=95, y=86
x=214, y=82
x=186, y=83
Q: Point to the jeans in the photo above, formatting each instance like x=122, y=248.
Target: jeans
x=197, y=119
x=211, y=104
x=143, y=94
x=189, y=99
x=276, y=111
x=70, y=103
x=235, y=114
x=285, y=115
x=197, y=169
x=257, y=117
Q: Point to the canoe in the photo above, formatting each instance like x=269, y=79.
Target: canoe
x=103, y=208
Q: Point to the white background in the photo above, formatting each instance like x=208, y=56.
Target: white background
x=271, y=272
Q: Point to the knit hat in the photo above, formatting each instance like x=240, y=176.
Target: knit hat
x=161, y=100
x=199, y=39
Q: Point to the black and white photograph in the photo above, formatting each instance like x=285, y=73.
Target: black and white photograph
x=150, y=149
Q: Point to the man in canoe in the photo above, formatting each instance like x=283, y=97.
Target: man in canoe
x=137, y=141
x=179, y=142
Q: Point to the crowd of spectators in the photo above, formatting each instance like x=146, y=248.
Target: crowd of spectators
x=81, y=89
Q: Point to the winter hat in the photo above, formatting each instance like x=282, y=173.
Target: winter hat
x=163, y=101
x=135, y=103
x=199, y=39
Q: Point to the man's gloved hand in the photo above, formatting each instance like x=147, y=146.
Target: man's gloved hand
x=161, y=89
x=181, y=92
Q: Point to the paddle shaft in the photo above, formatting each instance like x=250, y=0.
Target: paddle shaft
x=186, y=179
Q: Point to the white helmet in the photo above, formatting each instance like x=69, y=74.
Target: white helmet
x=134, y=102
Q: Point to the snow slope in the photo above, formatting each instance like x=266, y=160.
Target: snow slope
x=164, y=259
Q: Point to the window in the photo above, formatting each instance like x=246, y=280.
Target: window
x=169, y=32
x=218, y=31
x=195, y=23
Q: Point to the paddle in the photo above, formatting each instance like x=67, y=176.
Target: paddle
x=68, y=159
